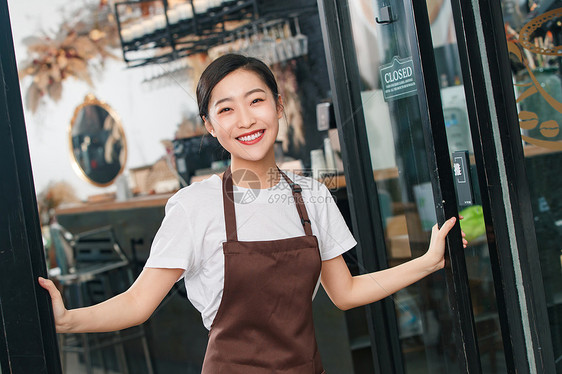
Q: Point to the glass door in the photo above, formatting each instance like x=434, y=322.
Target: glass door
x=400, y=169
x=402, y=112
x=469, y=197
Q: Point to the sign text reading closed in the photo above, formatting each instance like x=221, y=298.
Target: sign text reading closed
x=398, y=79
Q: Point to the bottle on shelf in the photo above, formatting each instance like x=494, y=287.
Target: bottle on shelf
x=185, y=11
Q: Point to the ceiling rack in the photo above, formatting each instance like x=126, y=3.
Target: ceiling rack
x=153, y=32
x=168, y=34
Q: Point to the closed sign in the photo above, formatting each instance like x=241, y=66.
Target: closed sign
x=397, y=79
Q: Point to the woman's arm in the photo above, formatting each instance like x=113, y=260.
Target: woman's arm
x=130, y=308
x=348, y=292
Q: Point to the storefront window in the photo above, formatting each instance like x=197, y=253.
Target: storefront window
x=533, y=32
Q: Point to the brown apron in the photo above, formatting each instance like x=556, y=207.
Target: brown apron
x=264, y=321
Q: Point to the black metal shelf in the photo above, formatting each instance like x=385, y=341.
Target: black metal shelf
x=185, y=37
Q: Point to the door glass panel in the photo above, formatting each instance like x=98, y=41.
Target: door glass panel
x=400, y=169
x=486, y=318
x=534, y=41
x=399, y=164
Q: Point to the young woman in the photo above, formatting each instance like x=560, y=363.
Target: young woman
x=251, y=245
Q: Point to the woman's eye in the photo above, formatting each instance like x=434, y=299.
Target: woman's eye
x=224, y=110
x=256, y=100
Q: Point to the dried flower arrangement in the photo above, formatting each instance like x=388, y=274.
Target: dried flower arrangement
x=83, y=41
x=54, y=195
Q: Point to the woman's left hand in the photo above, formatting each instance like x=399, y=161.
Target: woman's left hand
x=435, y=255
x=349, y=292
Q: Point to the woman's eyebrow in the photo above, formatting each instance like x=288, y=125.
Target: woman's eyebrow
x=245, y=95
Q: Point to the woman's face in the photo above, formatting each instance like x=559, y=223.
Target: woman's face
x=244, y=116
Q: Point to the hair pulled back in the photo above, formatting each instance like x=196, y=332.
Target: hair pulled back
x=224, y=65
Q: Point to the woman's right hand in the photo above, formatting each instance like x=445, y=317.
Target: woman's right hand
x=127, y=309
x=59, y=310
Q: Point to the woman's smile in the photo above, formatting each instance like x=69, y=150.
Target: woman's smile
x=251, y=137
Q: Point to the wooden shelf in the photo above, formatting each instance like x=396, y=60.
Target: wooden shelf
x=134, y=203
x=333, y=182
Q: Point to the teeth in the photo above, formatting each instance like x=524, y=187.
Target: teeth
x=249, y=138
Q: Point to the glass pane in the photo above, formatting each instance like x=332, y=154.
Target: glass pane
x=534, y=40
x=459, y=139
x=399, y=163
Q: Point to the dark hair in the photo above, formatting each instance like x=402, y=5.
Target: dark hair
x=224, y=65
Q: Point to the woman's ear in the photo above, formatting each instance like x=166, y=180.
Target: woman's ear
x=280, y=107
x=208, y=126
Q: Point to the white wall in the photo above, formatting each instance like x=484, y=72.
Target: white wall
x=148, y=114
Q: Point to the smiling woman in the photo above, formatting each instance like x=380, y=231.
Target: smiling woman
x=251, y=266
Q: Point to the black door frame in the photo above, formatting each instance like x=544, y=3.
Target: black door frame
x=28, y=342
x=439, y=160
x=362, y=191
x=509, y=225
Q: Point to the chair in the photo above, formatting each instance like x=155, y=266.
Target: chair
x=93, y=269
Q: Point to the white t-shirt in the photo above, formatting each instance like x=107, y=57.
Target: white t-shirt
x=193, y=230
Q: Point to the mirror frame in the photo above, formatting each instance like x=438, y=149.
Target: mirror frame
x=91, y=100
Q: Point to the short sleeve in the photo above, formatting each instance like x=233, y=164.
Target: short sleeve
x=172, y=247
x=334, y=236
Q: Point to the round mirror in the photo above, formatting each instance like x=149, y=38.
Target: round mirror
x=97, y=142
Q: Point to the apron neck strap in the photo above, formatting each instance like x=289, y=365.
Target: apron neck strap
x=229, y=211
x=228, y=203
x=301, y=208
